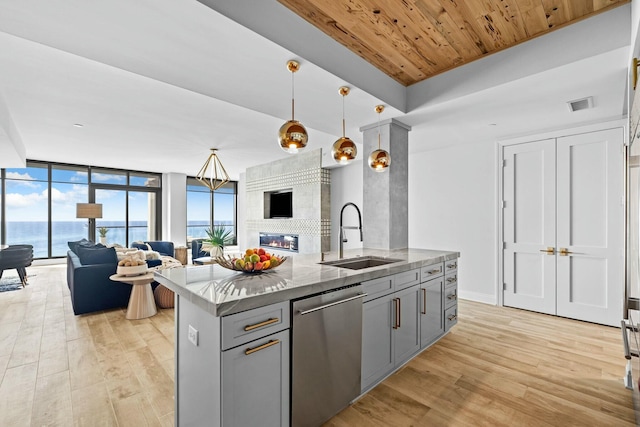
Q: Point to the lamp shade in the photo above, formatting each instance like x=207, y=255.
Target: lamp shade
x=88, y=210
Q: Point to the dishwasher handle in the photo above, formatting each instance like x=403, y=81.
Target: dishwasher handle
x=331, y=304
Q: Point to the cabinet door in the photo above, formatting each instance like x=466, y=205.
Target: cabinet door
x=432, y=311
x=407, y=329
x=255, y=383
x=377, y=339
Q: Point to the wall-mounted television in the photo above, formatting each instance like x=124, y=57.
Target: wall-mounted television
x=278, y=204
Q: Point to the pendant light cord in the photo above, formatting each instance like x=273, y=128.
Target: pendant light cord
x=343, y=132
x=379, y=130
x=292, y=98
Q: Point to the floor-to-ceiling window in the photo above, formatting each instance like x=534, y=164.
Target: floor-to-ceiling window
x=206, y=207
x=38, y=205
x=26, y=208
x=130, y=205
x=69, y=186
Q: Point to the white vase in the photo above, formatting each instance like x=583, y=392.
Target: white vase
x=103, y=240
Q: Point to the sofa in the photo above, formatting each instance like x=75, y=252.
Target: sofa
x=162, y=247
x=89, y=266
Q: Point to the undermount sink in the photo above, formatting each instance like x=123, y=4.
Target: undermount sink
x=359, y=263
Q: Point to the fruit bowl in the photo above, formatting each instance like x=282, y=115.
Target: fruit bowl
x=254, y=261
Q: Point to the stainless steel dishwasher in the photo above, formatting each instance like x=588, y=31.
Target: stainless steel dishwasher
x=326, y=354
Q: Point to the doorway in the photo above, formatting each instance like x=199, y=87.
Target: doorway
x=563, y=226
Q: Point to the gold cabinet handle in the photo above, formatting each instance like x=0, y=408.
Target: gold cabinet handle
x=424, y=301
x=549, y=251
x=452, y=317
x=452, y=296
x=452, y=266
x=433, y=271
x=564, y=252
x=452, y=279
x=261, y=347
x=261, y=324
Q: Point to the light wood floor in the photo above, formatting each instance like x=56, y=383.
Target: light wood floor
x=498, y=367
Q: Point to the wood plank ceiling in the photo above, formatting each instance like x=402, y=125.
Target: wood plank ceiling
x=412, y=40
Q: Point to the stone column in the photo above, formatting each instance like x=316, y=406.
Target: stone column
x=385, y=194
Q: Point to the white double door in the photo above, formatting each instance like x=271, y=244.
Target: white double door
x=563, y=219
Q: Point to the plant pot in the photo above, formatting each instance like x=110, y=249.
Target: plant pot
x=103, y=240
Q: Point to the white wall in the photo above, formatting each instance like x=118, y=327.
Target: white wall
x=241, y=212
x=174, y=208
x=346, y=186
x=452, y=200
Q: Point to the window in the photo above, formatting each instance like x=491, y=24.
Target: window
x=206, y=207
x=38, y=205
x=69, y=186
x=26, y=202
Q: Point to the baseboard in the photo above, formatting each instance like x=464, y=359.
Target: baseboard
x=478, y=297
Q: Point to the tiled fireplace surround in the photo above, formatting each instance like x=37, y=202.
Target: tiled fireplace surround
x=311, y=186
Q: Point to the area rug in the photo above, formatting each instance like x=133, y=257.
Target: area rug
x=10, y=284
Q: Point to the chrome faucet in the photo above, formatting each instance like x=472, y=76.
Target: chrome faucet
x=343, y=236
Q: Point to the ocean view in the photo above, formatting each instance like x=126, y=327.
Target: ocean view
x=35, y=233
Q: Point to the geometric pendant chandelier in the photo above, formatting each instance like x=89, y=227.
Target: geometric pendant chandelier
x=292, y=135
x=212, y=174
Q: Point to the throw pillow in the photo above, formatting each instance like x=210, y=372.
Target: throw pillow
x=74, y=244
x=89, y=256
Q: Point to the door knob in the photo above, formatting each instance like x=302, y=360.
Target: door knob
x=549, y=251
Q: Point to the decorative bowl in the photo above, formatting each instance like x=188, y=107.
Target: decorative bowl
x=248, y=267
x=135, y=270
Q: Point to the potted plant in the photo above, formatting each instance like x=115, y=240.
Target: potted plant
x=103, y=234
x=216, y=239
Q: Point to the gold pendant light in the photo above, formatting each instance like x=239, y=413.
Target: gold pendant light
x=344, y=149
x=292, y=135
x=379, y=160
x=212, y=174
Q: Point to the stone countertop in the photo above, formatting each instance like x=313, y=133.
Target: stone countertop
x=221, y=292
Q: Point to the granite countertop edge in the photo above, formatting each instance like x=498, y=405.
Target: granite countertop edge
x=335, y=278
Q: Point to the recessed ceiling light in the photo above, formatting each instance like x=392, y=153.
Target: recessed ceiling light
x=78, y=125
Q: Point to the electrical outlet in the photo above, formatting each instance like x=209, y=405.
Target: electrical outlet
x=193, y=335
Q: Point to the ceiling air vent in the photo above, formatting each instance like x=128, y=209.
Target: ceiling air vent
x=580, y=104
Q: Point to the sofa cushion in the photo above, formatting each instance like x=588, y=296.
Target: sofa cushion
x=74, y=245
x=97, y=255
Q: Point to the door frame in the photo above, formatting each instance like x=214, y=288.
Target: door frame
x=499, y=179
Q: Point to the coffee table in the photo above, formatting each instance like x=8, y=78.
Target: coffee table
x=141, y=302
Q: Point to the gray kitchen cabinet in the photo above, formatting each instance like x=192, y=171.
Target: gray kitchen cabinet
x=377, y=339
x=432, y=311
x=407, y=330
x=241, y=380
x=390, y=328
x=255, y=383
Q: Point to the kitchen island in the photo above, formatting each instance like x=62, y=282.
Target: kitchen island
x=233, y=329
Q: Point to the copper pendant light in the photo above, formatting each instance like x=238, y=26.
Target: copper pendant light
x=344, y=150
x=379, y=160
x=292, y=135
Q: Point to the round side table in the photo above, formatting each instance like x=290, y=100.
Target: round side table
x=141, y=302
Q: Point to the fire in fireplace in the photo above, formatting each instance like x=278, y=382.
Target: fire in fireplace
x=283, y=242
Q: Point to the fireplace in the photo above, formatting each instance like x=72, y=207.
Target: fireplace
x=283, y=242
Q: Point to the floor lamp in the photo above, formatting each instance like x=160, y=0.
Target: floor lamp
x=90, y=211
